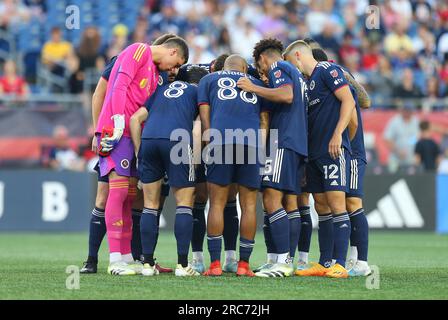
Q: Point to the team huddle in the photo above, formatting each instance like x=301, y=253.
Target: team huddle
x=283, y=128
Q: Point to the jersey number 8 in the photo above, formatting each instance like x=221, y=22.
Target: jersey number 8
x=175, y=90
x=227, y=91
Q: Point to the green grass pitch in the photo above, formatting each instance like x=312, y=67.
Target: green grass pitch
x=411, y=265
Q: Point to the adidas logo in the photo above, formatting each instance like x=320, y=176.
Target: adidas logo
x=344, y=226
x=397, y=209
x=266, y=178
x=334, y=183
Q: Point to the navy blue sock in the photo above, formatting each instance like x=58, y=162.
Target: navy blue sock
x=359, y=236
x=159, y=213
x=136, y=242
x=231, y=226
x=306, y=230
x=97, y=231
x=214, y=247
x=148, y=230
x=279, y=225
x=326, y=240
x=341, y=224
x=183, y=228
x=294, y=231
x=199, y=227
x=246, y=247
x=270, y=247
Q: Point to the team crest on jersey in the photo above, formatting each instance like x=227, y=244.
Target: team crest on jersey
x=334, y=73
x=160, y=82
x=143, y=83
x=312, y=84
x=277, y=74
x=124, y=163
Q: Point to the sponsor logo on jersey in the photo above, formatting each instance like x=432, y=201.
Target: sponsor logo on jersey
x=337, y=81
x=143, y=83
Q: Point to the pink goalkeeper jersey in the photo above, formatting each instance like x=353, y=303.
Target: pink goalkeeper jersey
x=132, y=80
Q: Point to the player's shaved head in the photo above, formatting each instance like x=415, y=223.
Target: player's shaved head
x=163, y=38
x=298, y=46
x=235, y=62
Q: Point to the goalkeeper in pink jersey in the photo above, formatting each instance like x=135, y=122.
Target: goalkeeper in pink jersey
x=133, y=79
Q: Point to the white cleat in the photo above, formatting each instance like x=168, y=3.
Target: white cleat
x=149, y=270
x=350, y=264
x=188, y=271
x=278, y=270
x=360, y=269
x=137, y=266
x=120, y=269
x=302, y=265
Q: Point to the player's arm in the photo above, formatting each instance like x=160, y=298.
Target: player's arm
x=282, y=94
x=264, y=127
x=97, y=105
x=135, y=125
x=344, y=95
x=353, y=124
x=363, y=97
x=204, y=114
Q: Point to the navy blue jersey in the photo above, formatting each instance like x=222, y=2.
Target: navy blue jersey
x=231, y=107
x=108, y=69
x=357, y=143
x=252, y=71
x=163, y=78
x=182, y=74
x=172, y=106
x=290, y=119
x=324, y=108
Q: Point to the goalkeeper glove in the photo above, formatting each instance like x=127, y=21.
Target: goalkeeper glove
x=109, y=142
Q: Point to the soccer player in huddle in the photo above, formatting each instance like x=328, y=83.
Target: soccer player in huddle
x=97, y=229
x=135, y=76
x=331, y=108
x=166, y=148
x=232, y=157
x=283, y=172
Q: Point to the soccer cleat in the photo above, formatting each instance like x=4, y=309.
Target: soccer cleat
x=302, y=265
x=244, y=270
x=350, y=264
x=198, y=266
x=149, y=271
x=230, y=266
x=137, y=266
x=265, y=266
x=278, y=270
x=188, y=271
x=360, y=270
x=120, y=269
x=162, y=269
x=316, y=270
x=89, y=267
x=337, y=271
x=214, y=270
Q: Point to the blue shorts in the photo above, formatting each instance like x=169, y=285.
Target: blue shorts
x=200, y=173
x=227, y=164
x=100, y=178
x=156, y=162
x=327, y=174
x=284, y=172
x=357, y=171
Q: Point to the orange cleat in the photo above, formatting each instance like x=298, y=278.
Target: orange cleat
x=244, y=270
x=214, y=270
x=317, y=270
x=337, y=271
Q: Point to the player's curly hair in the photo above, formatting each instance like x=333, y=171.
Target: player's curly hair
x=267, y=45
x=195, y=74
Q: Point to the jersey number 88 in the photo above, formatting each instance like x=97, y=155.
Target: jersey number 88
x=227, y=91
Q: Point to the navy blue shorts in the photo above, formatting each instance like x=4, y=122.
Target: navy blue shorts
x=284, y=172
x=227, y=164
x=101, y=178
x=156, y=162
x=200, y=173
x=357, y=171
x=327, y=174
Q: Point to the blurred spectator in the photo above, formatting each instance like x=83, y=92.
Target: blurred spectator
x=432, y=100
x=371, y=56
x=140, y=33
x=62, y=156
x=427, y=152
x=272, y=24
x=407, y=90
x=401, y=135
x=119, y=41
x=348, y=51
x=11, y=83
x=398, y=40
x=381, y=82
x=223, y=44
x=13, y=13
x=243, y=42
x=56, y=52
x=327, y=39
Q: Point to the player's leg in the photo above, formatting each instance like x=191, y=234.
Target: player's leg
x=199, y=227
x=306, y=231
x=230, y=233
x=248, y=202
x=359, y=237
x=137, y=208
x=292, y=209
x=97, y=229
x=271, y=255
x=126, y=238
